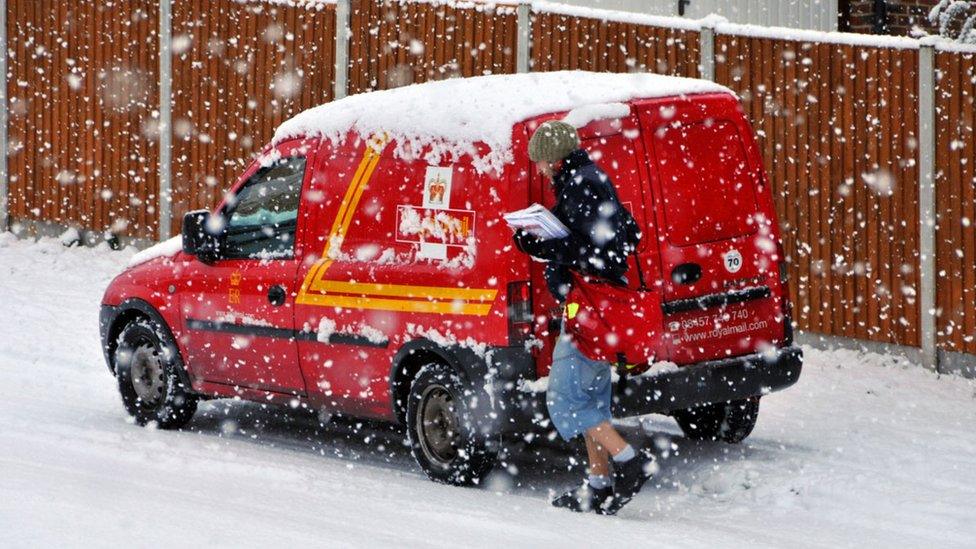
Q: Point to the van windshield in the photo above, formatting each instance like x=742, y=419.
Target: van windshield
x=708, y=186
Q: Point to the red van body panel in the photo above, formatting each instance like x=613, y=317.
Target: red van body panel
x=150, y=283
x=391, y=253
x=716, y=210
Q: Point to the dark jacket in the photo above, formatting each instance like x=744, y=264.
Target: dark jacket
x=602, y=232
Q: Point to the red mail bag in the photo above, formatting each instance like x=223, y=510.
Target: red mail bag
x=614, y=323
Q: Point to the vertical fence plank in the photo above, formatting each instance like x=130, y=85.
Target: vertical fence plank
x=895, y=258
x=955, y=143
x=967, y=148
x=4, y=122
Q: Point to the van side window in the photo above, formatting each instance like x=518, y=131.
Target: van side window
x=708, y=185
x=262, y=217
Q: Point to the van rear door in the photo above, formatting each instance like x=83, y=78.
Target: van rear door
x=718, y=235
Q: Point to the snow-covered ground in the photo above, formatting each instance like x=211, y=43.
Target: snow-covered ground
x=863, y=451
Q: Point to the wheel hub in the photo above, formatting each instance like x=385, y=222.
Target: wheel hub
x=438, y=425
x=148, y=376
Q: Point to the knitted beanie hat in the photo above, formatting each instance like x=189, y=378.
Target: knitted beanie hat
x=553, y=141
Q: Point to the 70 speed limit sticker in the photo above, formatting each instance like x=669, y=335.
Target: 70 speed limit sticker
x=732, y=261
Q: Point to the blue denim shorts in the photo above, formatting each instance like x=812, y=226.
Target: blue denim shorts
x=579, y=391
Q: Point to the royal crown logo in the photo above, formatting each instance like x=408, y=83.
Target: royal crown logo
x=437, y=189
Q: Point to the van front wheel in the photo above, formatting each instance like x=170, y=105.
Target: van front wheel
x=449, y=440
x=147, y=366
x=731, y=421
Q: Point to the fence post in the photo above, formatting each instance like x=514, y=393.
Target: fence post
x=706, y=51
x=343, y=14
x=4, y=174
x=926, y=204
x=524, y=38
x=165, y=196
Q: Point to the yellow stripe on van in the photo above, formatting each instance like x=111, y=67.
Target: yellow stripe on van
x=360, y=188
x=403, y=305
x=344, y=205
x=398, y=290
x=340, y=227
x=349, y=203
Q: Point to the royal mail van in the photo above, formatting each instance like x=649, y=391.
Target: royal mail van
x=361, y=266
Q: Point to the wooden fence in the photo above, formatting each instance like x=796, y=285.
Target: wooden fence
x=397, y=43
x=81, y=93
x=956, y=201
x=837, y=119
x=565, y=42
x=239, y=71
x=837, y=125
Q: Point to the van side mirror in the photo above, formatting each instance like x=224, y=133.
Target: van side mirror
x=198, y=239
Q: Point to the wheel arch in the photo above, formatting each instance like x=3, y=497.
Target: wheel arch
x=417, y=353
x=126, y=312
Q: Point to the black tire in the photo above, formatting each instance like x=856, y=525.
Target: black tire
x=731, y=421
x=452, y=441
x=148, y=368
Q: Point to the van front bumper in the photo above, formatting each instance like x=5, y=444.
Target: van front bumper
x=709, y=382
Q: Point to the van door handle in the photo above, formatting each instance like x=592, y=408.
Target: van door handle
x=276, y=295
x=686, y=273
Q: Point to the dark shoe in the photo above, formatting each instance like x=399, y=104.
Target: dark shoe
x=628, y=478
x=584, y=499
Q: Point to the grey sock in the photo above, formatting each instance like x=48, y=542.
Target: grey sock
x=626, y=454
x=599, y=482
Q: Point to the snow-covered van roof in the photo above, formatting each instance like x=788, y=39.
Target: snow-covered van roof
x=447, y=117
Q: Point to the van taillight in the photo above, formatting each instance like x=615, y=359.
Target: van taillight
x=786, y=306
x=784, y=273
x=519, y=312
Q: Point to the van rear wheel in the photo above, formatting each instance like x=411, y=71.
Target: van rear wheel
x=447, y=438
x=730, y=422
x=147, y=366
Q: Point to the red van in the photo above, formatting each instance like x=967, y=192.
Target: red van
x=361, y=266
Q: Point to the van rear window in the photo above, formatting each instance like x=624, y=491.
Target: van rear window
x=708, y=185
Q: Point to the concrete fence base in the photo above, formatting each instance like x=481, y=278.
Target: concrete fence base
x=40, y=229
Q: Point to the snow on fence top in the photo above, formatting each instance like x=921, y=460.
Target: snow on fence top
x=307, y=4
x=504, y=8
x=721, y=25
x=803, y=35
x=448, y=117
x=944, y=44
x=679, y=23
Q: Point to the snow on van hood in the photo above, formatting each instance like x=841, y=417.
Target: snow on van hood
x=447, y=117
x=166, y=248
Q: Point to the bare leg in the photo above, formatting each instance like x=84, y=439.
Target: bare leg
x=606, y=436
x=598, y=456
x=593, y=496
